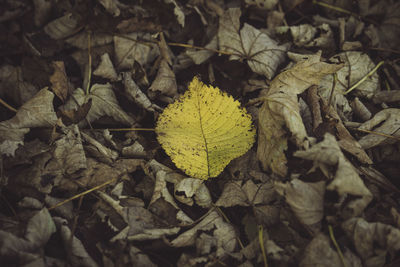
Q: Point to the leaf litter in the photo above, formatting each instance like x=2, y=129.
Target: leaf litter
x=319, y=187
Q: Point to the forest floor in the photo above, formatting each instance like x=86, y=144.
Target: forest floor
x=200, y=133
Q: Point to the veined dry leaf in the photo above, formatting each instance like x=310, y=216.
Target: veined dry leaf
x=262, y=53
x=280, y=110
x=106, y=68
x=204, y=130
x=59, y=80
x=387, y=122
x=104, y=103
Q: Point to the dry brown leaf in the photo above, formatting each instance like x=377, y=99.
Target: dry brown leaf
x=222, y=232
x=346, y=179
x=247, y=194
x=262, y=53
x=127, y=50
x=385, y=122
x=62, y=27
x=280, y=111
x=104, y=103
x=11, y=78
x=319, y=252
x=305, y=199
x=59, y=81
x=106, y=68
x=346, y=140
x=164, y=83
x=37, y=112
x=372, y=241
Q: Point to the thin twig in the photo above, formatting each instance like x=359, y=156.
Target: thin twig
x=365, y=77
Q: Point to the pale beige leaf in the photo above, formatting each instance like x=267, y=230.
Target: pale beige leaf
x=104, y=103
x=262, y=53
x=106, y=68
x=305, y=199
x=280, y=111
x=164, y=83
x=385, y=122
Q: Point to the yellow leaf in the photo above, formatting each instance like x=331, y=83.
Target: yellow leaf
x=204, y=130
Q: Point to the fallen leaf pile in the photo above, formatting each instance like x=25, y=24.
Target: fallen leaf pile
x=115, y=115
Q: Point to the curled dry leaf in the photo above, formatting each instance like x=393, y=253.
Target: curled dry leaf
x=372, y=240
x=104, y=103
x=164, y=83
x=262, y=53
x=248, y=194
x=319, y=252
x=222, y=232
x=346, y=179
x=128, y=50
x=62, y=27
x=280, y=111
x=37, y=112
x=305, y=199
x=387, y=122
x=356, y=66
x=200, y=56
x=106, y=68
x=59, y=81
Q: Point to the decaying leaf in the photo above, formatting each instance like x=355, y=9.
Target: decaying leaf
x=224, y=235
x=319, y=252
x=372, y=241
x=37, y=112
x=128, y=50
x=305, y=199
x=346, y=179
x=356, y=66
x=59, y=80
x=164, y=83
x=248, y=194
x=106, y=68
x=387, y=123
x=104, y=103
x=204, y=130
x=280, y=111
x=62, y=27
x=262, y=53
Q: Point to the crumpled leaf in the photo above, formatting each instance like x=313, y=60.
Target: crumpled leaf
x=386, y=122
x=200, y=56
x=12, y=77
x=128, y=51
x=143, y=225
x=59, y=80
x=372, y=241
x=356, y=66
x=186, y=190
x=37, y=112
x=248, y=194
x=164, y=83
x=111, y=6
x=180, y=16
x=262, y=53
x=104, y=103
x=62, y=27
x=77, y=255
x=222, y=232
x=346, y=179
x=204, y=130
x=319, y=252
x=24, y=250
x=305, y=199
x=68, y=151
x=280, y=111
x=106, y=68
x=306, y=35
x=134, y=92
